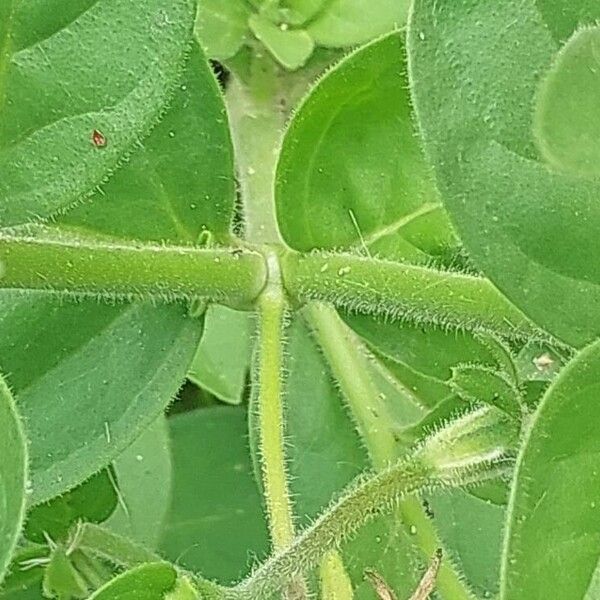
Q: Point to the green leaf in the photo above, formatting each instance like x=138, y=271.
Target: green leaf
x=562, y=18
x=567, y=119
x=221, y=27
x=180, y=182
x=531, y=231
x=476, y=383
x=215, y=523
x=93, y=380
x=61, y=579
x=92, y=501
x=291, y=47
x=472, y=531
x=552, y=544
x=300, y=11
x=152, y=581
x=222, y=362
x=348, y=22
x=351, y=171
x=105, y=68
x=13, y=476
x=24, y=577
x=143, y=477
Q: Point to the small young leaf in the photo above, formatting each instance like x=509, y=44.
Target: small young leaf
x=292, y=48
x=76, y=96
x=221, y=27
x=567, y=120
x=152, y=581
x=476, y=383
x=349, y=22
x=13, y=476
x=552, y=545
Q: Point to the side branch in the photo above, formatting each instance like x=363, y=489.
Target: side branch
x=120, y=270
x=406, y=292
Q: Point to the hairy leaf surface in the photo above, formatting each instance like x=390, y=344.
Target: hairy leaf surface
x=552, y=543
x=80, y=83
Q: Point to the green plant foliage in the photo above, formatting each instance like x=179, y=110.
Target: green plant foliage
x=349, y=22
x=215, y=521
x=13, y=476
x=92, y=501
x=293, y=297
x=567, y=121
x=555, y=494
x=143, y=480
x=222, y=362
x=350, y=156
x=152, y=581
x=134, y=357
x=531, y=231
x=93, y=77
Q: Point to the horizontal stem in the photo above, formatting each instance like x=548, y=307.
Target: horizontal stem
x=114, y=270
x=402, y=291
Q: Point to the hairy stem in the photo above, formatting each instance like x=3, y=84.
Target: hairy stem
x=122, y=270
x=404, y=291
x=366, y=499
x=349, y=365
x=270, y=408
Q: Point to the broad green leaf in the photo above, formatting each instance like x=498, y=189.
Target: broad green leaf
x=152, y=581
x=222, y=362
x=143, y=477
x=215, y=523
x=107, y=71
x=89, y=378
x=291, y=47
x=471, y=529
x=351, y=171
x=531, y=231
x=552, y=543
x=93, y=501
x=567, y=119
x=349, y=22
x=180, y=182
x=117, y=367
x=221, y=27
x=13, y=476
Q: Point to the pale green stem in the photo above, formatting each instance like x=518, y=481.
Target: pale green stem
x=335, y=583
x=271, y=306
x=257, y=125
x=349, y=365
x=402, y=291
x=122, y=270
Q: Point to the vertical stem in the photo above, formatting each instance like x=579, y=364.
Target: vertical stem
x=349, y=365
x=335, y=583
x=270, y=407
